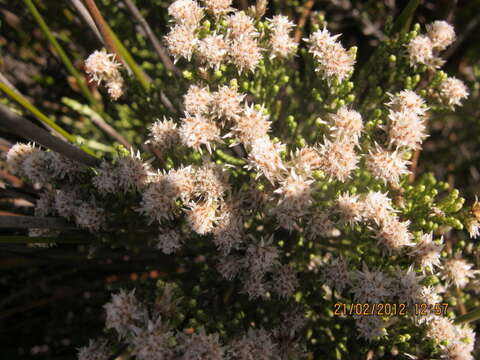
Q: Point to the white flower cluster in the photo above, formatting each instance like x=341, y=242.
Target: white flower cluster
x=151, y=337
x=102, y=67
x=333, y=61
x=236, y=43
x=423, y=49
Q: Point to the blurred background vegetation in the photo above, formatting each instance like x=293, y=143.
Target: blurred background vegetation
x=51, y=298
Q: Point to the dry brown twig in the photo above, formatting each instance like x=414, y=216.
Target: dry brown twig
x=307, y=8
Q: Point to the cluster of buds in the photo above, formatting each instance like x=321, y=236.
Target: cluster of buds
x=103, y=67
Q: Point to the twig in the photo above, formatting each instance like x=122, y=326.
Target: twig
x=159, y=49
x=413, y=166
x=34, y=222
x=24, y=128
x=102, y=27
x=307, y=7
x=77, y=4
x=97, y=120
x=61, y=54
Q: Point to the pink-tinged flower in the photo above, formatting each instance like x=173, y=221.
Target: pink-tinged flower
x=336, y=274
x=377, y=207
x=371, y=286
x=186, y=12
x=426, y=252
x=152, y=341
x=250, y=125
x=240, y=24
x=350, y=208
x=386, y=165
x=181, y=42
x=245, y=53
x=285, y=281
x=406, y=129
x=347, y=125
x=169, y=241
x=101, y=66
x=227, y=103
x=95, y=350
x=265, y=158
x=16, y=156
x=420, y=50
x=305, y=160
x=458, y=271
x=197, y=130
x=407, y=101
x=441, y=34
x=218, y=7
x=197, y=100
x=338, y=159
x=453, y=91
x=212, y=50
x=333, y=61
x=122, y=312
x=163, y=134
x=201, y=216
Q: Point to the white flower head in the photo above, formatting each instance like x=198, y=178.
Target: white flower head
x=122, y=312
x=152, y=342
x=407, y=101
x=164, y=134
x=453, y=91
x=420, y=50
x=181, y=42
x=426, y=252
x=212, y=50
x=95, y=350
x=240, y=24
x=245, y=53
x=458, y=271
x=333, y=61
x=198, y=100
x=197, y=130
x=350, y=208
x=186, y=12
x=441, y=34
x=406, y=129
x=16, y=156
x=346, y=125
x=386, y=165
x=102, y=66
x=371, y=286
x=339, y=159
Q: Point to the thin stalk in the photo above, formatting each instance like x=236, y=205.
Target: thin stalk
x=471, y=316
x=35, y=112
x=34, y=222
x=137, y=71
x=40, y=240
x=61, y=54
x=159, y=49
x=26, y=129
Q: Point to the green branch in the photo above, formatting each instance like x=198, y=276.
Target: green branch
x=62, y=55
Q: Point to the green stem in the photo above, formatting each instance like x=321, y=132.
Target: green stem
x=471, y=316
x=229, y=159
x=405, y=18
x=62, y=55
x=137, y=71
x=40, y=116
x=35, y=112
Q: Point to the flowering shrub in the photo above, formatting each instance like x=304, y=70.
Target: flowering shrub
x=284, y=191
